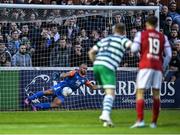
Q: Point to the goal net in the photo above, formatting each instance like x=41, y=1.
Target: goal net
x=37, y=41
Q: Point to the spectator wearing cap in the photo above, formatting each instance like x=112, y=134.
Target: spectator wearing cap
x=22, y=58
x=5, y=55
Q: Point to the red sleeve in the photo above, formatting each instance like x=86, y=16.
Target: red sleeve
x=72, y=73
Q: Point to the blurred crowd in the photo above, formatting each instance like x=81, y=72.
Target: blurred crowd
x=62, y=38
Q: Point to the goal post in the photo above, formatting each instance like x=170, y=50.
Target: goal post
x=44, y=29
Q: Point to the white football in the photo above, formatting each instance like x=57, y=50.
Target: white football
x=67, y=91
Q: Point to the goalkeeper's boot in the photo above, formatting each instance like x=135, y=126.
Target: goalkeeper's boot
x=27, y=101
x=153, y=125
x=138, y=124
x=107, y=121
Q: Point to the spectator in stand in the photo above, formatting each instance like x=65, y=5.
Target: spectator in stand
x=167, y=26
x=7, y=30
x=35, y=1
x=95, y=36
x=163, y=15
x=173, y=13
x=53, y=2
x=83, y=35
x=175, y=26
x=25, y=31
x=78, y=55
x=14, y=43
x=71, y=28
x=6, y=1
x=133, y=32
x=104, y=34
x=118, y=18
x=131, y=3
x=33, y=17
x=143, y=3
x=5, y=55
x=40, y=58
x=4, y=14
x=15, y=15
x=59, y=56
x=54, y=32
x=173, y=37
x=20, y=1
x=35, y=32
x=22, y=58
x=13, y=27
x=84, y=2
x=130, y=59
x=158, y=3
x=29, y=49
x=129, y=21
x=98, y=2
x=51, y=35
x=54, y=14
x=94, y=22
x=70, y=2
x=173, y=65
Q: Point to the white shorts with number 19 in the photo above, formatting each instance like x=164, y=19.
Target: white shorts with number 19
x=147, y=78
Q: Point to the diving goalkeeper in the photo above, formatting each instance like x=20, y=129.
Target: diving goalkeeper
x=73, y=79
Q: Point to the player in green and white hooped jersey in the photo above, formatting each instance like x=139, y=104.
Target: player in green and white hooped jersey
x=107, y=55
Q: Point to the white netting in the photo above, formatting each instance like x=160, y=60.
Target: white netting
x=60, y=36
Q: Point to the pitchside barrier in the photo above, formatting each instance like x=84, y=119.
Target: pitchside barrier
x=21, y=83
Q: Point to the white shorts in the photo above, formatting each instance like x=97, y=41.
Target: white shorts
x=147, y=78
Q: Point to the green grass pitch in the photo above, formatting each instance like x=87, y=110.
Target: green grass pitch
x=84, y=122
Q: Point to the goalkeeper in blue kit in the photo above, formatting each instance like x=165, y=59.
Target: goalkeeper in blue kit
x=73, y=79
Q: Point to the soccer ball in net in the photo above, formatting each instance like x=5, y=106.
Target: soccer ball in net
x=67, y=91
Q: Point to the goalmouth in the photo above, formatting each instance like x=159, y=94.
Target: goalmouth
x=79, y=28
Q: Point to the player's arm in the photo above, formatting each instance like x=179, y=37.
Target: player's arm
x=128, y=44
x=68, y=74
x=167, y=52
x=90, y=85
x=135, y=47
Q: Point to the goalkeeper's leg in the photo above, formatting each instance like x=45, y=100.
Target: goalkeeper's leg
x=56, y=103
x=38, y=95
